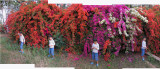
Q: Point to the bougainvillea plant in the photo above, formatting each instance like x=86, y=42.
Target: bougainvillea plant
x=152, y=28
x=35, y=21
x=114, y=23
x=74, y=24
x=116, y=27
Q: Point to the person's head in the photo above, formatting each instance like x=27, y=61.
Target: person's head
x=50, y=37
x=144, y=38
x=20, y=33
x=95, y=41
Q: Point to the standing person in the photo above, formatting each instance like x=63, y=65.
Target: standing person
x=143, y=47
x=51, y=47
x=22, y=41
x=95, y=48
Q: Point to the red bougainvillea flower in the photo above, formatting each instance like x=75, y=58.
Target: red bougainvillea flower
x=106, y=44
x=74, y=24
x=35, y=21
x=115, y=24
x=151, y=29
x=106, y=56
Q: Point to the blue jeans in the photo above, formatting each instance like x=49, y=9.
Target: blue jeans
x=94, y=56
x=143, y=52
x=21, y=45
x=51, y=51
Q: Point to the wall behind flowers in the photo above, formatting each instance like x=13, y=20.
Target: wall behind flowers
x=116, y=27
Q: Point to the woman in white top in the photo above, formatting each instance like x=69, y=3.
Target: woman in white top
x=51, y=47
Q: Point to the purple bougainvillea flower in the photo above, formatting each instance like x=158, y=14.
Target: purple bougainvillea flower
x=130, y=59
x=76, y=58
x=108, y=65
x=101, y=28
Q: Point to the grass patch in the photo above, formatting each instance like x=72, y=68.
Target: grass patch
x=36, y=56
x=8, y=44
x=153, y=61
x=4, y=58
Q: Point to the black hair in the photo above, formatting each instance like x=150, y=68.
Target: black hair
x=144, y=36
x=94, y=39
x=20, y=32
x=50, y=36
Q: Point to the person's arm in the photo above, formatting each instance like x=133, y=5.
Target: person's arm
x=19, y=34
x=54, y=43
x=92, y=46
x=145, y=45
x=142, y=44
x=97, y=47
x=23, y=39
x=49, y=43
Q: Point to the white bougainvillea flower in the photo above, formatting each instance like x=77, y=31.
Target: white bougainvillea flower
x=110, y=18
x=133, y=41
x=126, y=33
x=146, y=21
x=101, y=22
x=133, y=20
x=138, y=28
x=119, y=31
x=126, y=11
x=109, y=29
x=110, y=14
x=114, y=33
x=112, y=36
x=127, y=26
x=137, y=14
x=113, y=19
x=127, y=21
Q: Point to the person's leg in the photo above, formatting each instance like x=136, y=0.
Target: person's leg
x=142, y=54
x=21, y=47
x=93, y=56
x=52, y=52
x=49, y=52
x=96, y=58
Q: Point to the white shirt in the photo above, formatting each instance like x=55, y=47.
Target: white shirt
x=51, y=43
x=22, y=39
x=96, y=46
x=143, y=44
